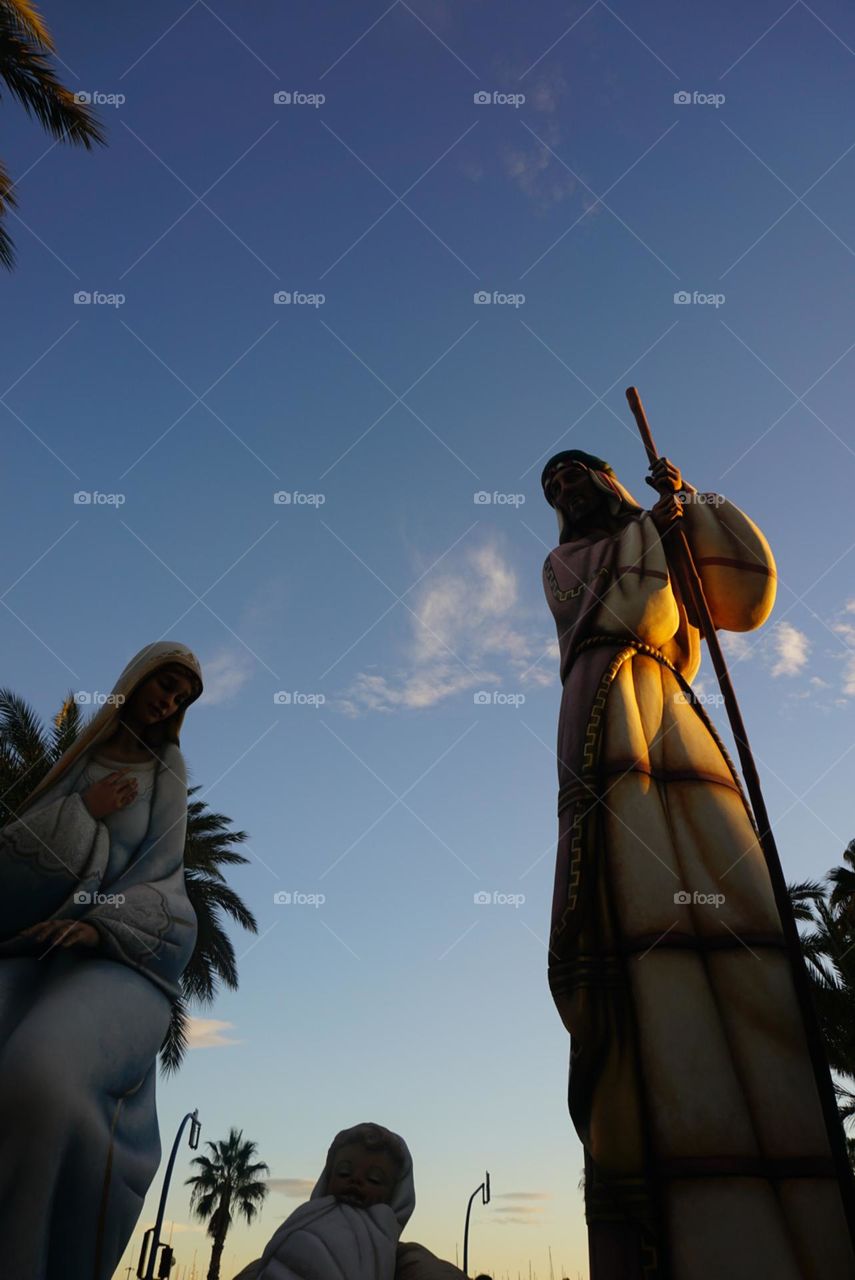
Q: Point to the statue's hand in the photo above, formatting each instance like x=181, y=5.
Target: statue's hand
x=63, y=933
x=664, y=476
x=110, y=794
x=668, y=510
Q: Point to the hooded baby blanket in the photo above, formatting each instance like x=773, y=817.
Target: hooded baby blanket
x=332, y=1238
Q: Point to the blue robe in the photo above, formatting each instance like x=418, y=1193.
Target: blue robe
x=80, y=1029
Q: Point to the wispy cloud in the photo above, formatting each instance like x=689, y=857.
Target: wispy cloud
x=296, y=1188
x=848, y=682
x=523, y=1195
x=783, y=650
x=209, y=1033
x=791, y=648
x=225, y=675
x=520, y=1211
x=532, y=167
x=845, y=627
x=259, y=626
x=531, y=164
x=737, y=646
x=467, y=630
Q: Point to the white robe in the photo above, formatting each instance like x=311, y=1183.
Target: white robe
x=325, y=1239
x=80, y=1030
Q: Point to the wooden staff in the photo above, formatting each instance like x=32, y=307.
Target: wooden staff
x=682, y=565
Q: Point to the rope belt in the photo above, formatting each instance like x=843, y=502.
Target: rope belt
x=624, y=642
x=584, y=788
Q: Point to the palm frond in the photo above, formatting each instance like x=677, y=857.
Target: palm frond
x=22, y=730
x=175, y=1042
x=26, y=17
x=67, y=724
x=215, y=897
x=29, y=77
x=803, y=897
x=828, y=946
x=26, y=754
x=26, y=72
x=7, y=202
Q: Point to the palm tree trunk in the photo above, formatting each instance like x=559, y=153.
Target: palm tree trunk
x=216, y=1257
x=222, y=1219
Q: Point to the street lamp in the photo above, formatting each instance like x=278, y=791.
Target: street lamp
x=485, y=1199
x=150, y=1247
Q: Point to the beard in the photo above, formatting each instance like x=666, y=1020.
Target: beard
x=586, y=514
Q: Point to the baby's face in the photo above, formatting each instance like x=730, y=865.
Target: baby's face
x=362, y=1177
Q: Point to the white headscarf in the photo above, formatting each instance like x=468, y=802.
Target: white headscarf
x=105, y=722
x=617, y=495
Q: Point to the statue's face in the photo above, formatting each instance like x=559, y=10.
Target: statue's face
x=572, y=490
x=160, y=696
x=362, y=1177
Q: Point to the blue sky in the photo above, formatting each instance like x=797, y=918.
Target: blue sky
x=382, y=398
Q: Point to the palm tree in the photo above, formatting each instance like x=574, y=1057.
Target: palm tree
x=27, y=752
x=829, y=950
x=843, y=879
x=227, y=1183
x=25, y=44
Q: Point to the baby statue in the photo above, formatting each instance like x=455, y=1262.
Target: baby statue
x=349, y=1227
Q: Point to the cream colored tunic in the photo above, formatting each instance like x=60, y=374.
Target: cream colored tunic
x=691, y=1086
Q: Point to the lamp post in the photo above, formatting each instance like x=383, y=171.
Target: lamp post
x=485, y=1199
x=150, y=1247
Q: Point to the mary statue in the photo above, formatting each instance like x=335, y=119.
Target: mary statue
x=95, y=932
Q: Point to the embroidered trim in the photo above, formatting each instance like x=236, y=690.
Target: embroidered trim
x=581, y=794
x=585, y=785
x=570, y=593
x=60, y=839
